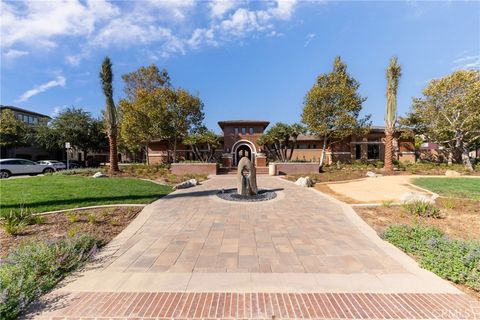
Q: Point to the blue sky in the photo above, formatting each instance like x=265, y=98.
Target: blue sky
x=245, y=59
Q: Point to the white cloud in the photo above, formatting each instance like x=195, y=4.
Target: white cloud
x=467, y=62
x=13, y=54
x=60, y=81
x=39, y=22
x=167, y=27
x=309, y=39
x=218, y=8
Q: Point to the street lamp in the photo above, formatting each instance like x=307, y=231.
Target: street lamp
x=67, y=147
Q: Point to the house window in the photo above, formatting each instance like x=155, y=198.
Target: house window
x=314, y=146
x=251, y=130
x=244, y=130
x=236, y=131
x=373, y=151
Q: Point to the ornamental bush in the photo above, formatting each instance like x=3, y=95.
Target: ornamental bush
x=36, y=267
x=454, y=260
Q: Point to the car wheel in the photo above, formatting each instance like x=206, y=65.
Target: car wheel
x=48, y=170
x=4, y=174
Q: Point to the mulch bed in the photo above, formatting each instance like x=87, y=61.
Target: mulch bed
x=104, y=224
x=461, y=220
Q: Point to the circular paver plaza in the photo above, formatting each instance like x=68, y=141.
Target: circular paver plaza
x=192, y=255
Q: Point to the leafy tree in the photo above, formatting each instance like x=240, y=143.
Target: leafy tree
x=332, y=107
x=204, y=138
x=145, y=78
x=13, y=132
x=449, y=113
x=281, y=138
x=143, y=119
x=394, y=72
x=184, y=116
x=73, y=125
x=110, y=114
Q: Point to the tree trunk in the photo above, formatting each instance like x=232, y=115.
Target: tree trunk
x=147, y=160
x=324, y=152
x=112, y=141
x=388, y=160
x=294, y=142
x=174, y=158
x=466, y=159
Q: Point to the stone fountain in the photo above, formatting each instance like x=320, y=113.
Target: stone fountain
x=246, y=185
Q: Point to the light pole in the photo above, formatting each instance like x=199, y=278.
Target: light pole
x=67, y=147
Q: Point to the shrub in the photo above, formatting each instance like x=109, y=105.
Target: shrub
x=72, y=217
x=92, y=218
x=422, y=208
x=36, y=267
x=387, y=203
x=15, y=221
x=455, y=260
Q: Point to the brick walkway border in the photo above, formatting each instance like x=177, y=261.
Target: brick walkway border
x=182, y=305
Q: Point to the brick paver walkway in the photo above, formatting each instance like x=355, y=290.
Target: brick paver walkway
x=192, y=255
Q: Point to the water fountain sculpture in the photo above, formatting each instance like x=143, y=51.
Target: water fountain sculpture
x=246, y=178
x=246, y=190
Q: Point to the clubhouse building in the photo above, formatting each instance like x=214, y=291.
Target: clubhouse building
x=239, y=139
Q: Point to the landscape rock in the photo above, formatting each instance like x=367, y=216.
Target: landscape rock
x=99, y=175
x=372, y=174
x=452, y=173
x=304, y=182
x=410, y=197
x=186, y=184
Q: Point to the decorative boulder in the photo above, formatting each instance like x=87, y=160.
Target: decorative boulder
x=452, y=173
x=186, y=184
x=304, y=182
x=99, y=175
x=410, y=197
x=372, y=174
x=246, y=178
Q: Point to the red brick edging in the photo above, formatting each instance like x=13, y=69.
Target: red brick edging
x=194, y=305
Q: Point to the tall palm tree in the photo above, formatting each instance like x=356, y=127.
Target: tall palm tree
x=110, y=114
x=296, y=130
x=394, y=72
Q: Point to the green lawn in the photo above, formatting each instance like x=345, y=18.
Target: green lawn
x=41, y=194
x=452, y=187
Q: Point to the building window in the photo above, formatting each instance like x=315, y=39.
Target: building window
x=358, y=151
x=236, y=131
x=20, y=117
x=373, y=151
x=244, y=130
x=308, y=146
x=251, y=130
x=314, y=146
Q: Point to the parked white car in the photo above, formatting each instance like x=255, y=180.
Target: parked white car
x=57, y=165
x=9, y=167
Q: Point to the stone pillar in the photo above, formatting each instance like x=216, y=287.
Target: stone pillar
x=261, y=160
x=227, y=160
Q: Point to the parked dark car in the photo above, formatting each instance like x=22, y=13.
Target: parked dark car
x=73, y=164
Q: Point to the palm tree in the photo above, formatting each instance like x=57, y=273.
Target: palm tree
x=394, y=72
x=296, y=130
x=110, y=114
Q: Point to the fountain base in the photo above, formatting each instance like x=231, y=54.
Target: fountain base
x=232, y=195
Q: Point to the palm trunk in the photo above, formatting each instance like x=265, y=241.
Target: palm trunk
x=147, y=160
x=175, y=150
x=324, y=152
x=388, y=160
x=294, y=142
x=112, y=141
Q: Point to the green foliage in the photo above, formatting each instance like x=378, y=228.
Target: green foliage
x=200, y=140
x=92, y=218
x=281, y=138
x=15, y=221
x=72, y=217
x=448, y=113
x=387, y=203
x=422, y=209
x=394, y=72
x=36, y=267
x=449, y=204
x=455, y=260
x=13, y=132
x=332, y=107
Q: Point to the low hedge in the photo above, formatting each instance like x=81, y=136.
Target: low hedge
x=454, y=260
x=36, y=267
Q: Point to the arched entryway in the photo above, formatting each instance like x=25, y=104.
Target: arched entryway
x=243, y=149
